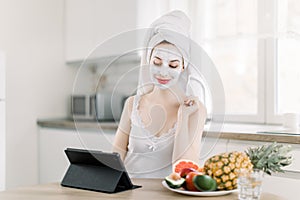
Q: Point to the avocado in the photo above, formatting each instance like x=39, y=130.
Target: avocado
x=174, y=183
x=204, y=183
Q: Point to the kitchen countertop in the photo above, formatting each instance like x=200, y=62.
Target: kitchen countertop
x=250, y=132
x=273, y=188
x=66, y=123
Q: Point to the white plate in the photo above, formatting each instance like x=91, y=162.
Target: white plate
x=204, y=194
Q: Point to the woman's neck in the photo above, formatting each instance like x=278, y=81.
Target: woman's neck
x=169, y=97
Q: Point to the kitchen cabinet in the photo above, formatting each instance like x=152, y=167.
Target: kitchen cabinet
x=2, y=122
x=211, y=146
x=2, y=146
x=92, y=22
x=295, y=166
x=242, y=145
x=53, y=162
x=52, y=143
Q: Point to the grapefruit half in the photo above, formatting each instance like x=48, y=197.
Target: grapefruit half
x=183, y=163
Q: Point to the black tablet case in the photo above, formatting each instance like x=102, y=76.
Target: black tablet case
x=97, y=171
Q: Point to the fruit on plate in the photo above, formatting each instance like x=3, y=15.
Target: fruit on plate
x=204, y=183
x=184, y=163
x=224, y=168
x=189, y=184
x=174, y=180
x=184, y=172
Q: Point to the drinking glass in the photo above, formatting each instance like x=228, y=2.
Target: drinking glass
x=250, y=184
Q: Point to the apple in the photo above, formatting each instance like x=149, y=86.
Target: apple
x=189, y=184
x=185, y=172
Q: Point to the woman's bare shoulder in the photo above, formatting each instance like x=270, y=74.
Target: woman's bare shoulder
x=129, y=103
x=130, y=99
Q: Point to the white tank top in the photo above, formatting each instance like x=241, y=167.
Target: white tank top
x=148, y=156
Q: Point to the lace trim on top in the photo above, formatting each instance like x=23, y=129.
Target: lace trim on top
x=137, y=118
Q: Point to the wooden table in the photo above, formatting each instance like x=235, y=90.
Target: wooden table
x=274, y=188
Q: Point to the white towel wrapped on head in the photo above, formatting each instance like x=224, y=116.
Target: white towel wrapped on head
x=173, y=27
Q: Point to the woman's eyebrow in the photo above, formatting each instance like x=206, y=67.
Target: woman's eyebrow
x=157, y=57
x=174, y=60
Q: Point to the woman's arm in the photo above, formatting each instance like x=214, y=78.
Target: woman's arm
x=122, y=135
x=191, y=120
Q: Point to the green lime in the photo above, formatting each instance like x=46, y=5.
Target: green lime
x=205, y=183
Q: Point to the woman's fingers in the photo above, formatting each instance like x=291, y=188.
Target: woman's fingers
x=190, y=105
x=190, y=101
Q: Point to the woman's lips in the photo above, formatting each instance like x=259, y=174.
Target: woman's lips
x=163, y=81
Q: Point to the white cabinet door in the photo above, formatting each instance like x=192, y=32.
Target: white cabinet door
x=2, y=121
x=242, y=145
x=2, y=146
x=92, y=22
x=2, y=76
x=211, y=146
x=295, y=166
x=53, y=162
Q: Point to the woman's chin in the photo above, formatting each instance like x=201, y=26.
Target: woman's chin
x=165, y=86
x=162, y=86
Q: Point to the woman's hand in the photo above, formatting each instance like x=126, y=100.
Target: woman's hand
x=190, y=105
x=191, y=118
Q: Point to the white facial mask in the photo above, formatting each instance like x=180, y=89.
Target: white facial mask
x=163, y=75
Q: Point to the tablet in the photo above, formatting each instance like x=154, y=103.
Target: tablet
x=97, y=171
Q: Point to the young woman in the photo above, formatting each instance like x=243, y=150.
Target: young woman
x=164, y=121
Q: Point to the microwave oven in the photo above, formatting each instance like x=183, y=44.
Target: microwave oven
x=103, y=106
x=83, y=106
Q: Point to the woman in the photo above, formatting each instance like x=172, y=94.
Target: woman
x=165, y=120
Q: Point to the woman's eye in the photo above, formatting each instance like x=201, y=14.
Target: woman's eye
x=173, y=66
x=157, y=62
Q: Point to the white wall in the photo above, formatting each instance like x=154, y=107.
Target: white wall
x=37, y=80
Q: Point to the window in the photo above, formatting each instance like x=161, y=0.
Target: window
x=227, y=36
x=288, y=61
x=255, y=46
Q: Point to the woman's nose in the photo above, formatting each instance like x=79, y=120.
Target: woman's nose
x=164, y=71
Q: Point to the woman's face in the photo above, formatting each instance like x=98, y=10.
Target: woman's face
x=166, y=65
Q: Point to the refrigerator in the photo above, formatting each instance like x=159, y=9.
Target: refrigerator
x=2, y=121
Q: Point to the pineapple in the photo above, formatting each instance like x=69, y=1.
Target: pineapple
x=270, y=158
x=224, y=168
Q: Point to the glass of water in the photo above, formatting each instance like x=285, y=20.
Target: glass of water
x=250, y=184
